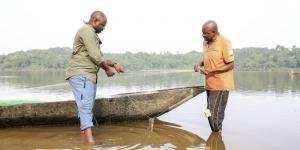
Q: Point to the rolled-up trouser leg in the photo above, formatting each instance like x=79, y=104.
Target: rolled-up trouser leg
x=84, y=91
x=216, y=103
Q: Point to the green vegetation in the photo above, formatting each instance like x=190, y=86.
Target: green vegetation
x=153, y=61
x=267, y=59
x=53, y=58
x=245, y=59
x=10, y=102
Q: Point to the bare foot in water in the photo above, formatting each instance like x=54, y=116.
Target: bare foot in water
x=90, y=141
x=87, y=136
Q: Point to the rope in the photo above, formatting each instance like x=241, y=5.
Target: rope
x=151, y=119
x=143, y=112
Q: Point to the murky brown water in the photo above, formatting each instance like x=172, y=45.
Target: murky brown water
x=133, y=135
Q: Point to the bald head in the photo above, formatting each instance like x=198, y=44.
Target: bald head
x=98, y=21
x=97, y=15
x=210, y=25
x=210, y=31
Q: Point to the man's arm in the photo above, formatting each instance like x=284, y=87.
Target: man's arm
x=226, y=67
x=109, y=64
x=94, y=52
x=228, y=58
x=114, y=65
x=89, y=40
x=106, y=68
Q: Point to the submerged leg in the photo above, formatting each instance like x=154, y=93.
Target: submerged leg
x=84, y=91
x=88, y=136
x=216, y=103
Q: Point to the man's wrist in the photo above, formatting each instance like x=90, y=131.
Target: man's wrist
x=211, y=71
x=104, y=65
x=114, y=64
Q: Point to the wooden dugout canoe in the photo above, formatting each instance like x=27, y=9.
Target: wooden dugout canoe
x=129, y=106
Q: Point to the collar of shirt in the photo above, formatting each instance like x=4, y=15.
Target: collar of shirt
x=90, y=26
x=215, y=40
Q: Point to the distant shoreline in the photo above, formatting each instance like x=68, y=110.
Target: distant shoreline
x=153, y=70
x=246, y=59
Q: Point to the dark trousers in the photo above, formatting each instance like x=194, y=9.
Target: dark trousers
x=216, y=103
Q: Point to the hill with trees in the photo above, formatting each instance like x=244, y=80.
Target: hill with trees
x=246, y=59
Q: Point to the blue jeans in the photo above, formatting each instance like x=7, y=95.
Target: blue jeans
x=84, y=91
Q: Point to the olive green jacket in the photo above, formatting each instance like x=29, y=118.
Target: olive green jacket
x=86, y=55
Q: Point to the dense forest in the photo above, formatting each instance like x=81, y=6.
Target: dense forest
x=246, y=59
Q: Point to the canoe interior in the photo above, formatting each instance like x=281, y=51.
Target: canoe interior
x=122, y=107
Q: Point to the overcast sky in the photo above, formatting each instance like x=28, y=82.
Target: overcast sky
x=148, y=25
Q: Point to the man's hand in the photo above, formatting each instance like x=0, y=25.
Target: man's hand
x=197, y=68
x=119, y=69
x=226, y=67
x=204, y=71
x=114, y=65
x=107, y=65
x=109, y=72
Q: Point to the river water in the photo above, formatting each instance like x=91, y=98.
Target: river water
x=262, y=113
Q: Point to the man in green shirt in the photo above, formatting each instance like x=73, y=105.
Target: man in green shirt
x=84, y=65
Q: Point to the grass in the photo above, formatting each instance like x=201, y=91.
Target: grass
x=10, y=102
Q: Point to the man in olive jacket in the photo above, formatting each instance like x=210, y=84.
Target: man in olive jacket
x=84, y=65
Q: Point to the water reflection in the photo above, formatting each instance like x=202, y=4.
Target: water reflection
x=133, y=135
x=28, y=79
x=51, y=86
x=31, y=79
x=164, y=135
x=215, y=142
x=245, y=81
x=278, y=82
x=273, y=94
